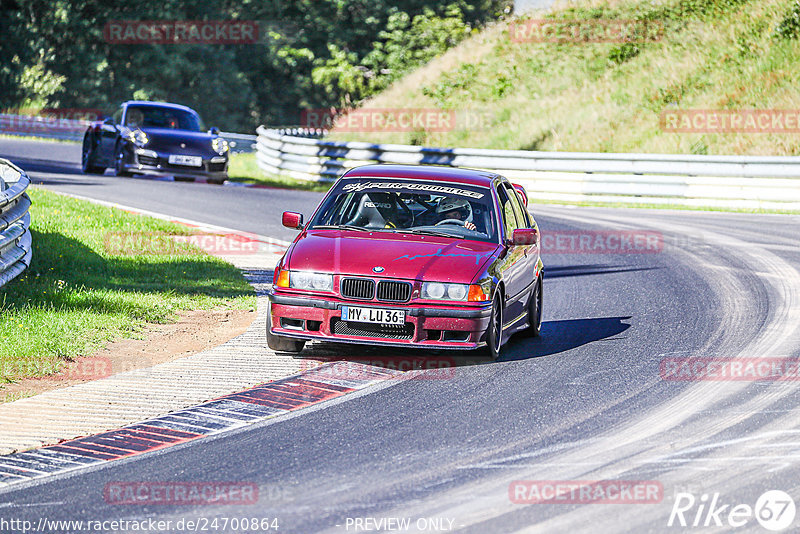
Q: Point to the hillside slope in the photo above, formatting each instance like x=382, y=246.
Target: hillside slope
x=608, y=97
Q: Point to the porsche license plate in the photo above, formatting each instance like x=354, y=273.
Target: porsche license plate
x=373, y=315
x=189, y=161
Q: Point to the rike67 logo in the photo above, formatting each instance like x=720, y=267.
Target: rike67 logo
x=774, y=510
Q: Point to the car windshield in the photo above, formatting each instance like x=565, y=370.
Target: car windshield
x=163, y=117
x=392, y=205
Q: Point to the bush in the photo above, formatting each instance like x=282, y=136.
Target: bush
x=405, y=44
x=789, y=27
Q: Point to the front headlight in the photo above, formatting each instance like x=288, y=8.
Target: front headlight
x=441, y=291
x=313, y=281
x=219, y=145
x=137, y=137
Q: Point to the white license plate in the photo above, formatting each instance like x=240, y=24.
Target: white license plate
x=373, y=315
x=190, y=161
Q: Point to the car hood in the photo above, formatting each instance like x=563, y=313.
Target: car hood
x=405, y=256
x=196, y=143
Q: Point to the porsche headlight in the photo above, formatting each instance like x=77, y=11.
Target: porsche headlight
x=313, y=281
x=219, y=145
x=441, y=291
x=137, y=137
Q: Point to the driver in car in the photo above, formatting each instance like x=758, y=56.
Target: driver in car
x=455, y=209
x=135, y=118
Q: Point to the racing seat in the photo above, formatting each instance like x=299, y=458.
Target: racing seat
x=376, y=210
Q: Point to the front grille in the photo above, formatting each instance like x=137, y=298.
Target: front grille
x=216, y=167
x=345, y=328
x=392, y=291
x=358, y=288
x=147, y=160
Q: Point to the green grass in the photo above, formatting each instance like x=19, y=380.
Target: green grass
x=11, y=397
x=80, y=293
x=243, y=168
x=608, y=97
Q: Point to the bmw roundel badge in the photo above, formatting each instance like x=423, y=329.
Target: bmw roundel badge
x=378, y=269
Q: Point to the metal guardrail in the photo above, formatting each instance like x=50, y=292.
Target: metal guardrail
x=768, y=182
x=15, y=220
x=73, y=130
x=300, y=131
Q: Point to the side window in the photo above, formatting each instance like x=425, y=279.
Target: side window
x=519, y=209
x=117, y=116
x=509, y=217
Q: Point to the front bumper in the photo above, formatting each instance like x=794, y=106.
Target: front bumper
x=439, y=327
x=138, y=163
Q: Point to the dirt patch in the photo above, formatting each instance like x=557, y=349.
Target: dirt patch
x=193, y=332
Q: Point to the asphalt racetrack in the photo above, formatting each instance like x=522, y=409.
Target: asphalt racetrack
x=587, y=401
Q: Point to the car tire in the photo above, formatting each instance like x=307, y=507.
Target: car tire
x=281, y=343
x=535, y=310
x=88, y=157
x=494, y=332
x=118, y=157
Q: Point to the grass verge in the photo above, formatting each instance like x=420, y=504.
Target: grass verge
x=80, y=293
x=243, y=168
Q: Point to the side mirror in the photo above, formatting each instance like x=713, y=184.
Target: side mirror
x=525, y=236
x=213, y=130
x=292, y=220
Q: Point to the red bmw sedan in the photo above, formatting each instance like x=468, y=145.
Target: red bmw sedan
x=411, y=256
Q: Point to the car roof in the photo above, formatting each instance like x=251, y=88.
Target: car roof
x=158, y=104
x=424, y=172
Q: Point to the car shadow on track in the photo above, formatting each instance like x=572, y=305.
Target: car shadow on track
x=561, y=336
x=557, y=337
